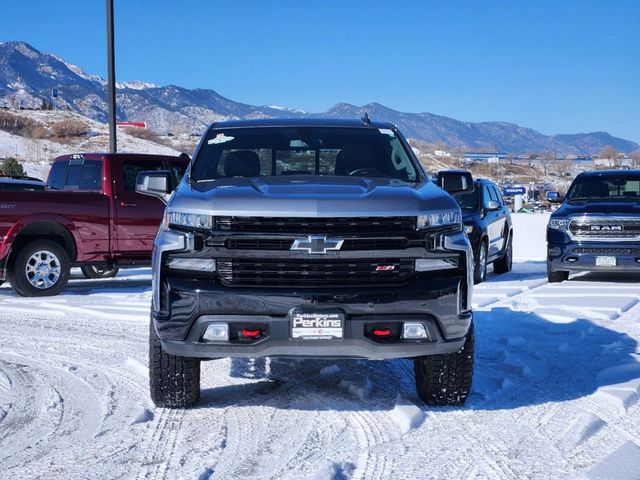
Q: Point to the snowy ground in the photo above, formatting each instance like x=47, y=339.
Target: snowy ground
x=555, y=393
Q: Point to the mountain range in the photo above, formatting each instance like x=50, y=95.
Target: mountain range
x=29, y=76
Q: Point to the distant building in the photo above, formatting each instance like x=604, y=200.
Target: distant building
x=442, y=153
x=131, y=125
x=494, y=157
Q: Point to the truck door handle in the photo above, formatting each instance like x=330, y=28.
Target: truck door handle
x=128, y=204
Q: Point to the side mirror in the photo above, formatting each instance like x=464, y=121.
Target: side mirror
x=455, y=181
x=493, y=205
x=155, y=183
x=554, y=197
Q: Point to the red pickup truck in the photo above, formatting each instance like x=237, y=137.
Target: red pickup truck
x=89, y=216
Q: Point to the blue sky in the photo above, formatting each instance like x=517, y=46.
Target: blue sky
x=559, y=66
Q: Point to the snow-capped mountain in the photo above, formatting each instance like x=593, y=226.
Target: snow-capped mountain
x=28, y=76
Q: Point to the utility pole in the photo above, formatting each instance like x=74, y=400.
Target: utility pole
x=111, y=81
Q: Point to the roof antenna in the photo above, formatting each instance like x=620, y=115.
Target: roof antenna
x=365, y=119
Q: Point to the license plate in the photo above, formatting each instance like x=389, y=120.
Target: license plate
x=606, y=261
x=317, y=325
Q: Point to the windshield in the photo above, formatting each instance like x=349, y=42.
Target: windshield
x=272, y=151
x=619, y=186
x=468, y=201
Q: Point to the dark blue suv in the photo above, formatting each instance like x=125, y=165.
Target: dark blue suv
x=487, y=222
x=598, y=226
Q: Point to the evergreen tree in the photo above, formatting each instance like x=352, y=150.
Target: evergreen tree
x=11, y=166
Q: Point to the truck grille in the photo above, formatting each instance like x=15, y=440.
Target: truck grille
x=606, y=229
x=251, y=243
x=314, y=273
x=607, y=251
x=337, y=225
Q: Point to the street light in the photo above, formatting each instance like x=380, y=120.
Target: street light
x=111, y=80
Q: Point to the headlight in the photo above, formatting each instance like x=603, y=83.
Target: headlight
x=444, y=218
x=559, y=223
x=468, y=229
x=190, y=220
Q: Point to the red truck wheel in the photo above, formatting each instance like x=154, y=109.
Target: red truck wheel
x=41, y=268
x=93, y=271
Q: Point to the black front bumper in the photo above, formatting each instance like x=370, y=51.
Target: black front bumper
x=581, y=256
x=189, y=305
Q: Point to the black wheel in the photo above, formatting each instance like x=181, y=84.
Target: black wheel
x=40, y=269
x=480, y=268
x=556, y=277
x=95, y=271
x=446, y=379
x=504, y=263
x=174, y=382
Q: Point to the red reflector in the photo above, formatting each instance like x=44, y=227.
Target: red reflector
x=250, y=333
x=382, y=332
x=385, y=268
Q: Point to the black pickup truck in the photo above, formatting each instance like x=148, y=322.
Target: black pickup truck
x=597, y=228
x=310, y=238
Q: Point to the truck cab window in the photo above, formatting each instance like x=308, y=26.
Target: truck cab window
x=85, y=175
x=58, y=175
x=131, y=169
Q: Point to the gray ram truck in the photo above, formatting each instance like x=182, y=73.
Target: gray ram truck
x=310, y=238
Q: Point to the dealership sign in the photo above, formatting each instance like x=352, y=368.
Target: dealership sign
x=511, y=191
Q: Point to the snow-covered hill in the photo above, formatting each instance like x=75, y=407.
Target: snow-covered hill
x=36, y=154
x=556, y=392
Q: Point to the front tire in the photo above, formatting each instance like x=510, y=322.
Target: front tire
x=446, y=379
x=505, y=263
x=556, y=277
x=94, y=271
x=480, y=266
x=40, y=269
x=174, y=382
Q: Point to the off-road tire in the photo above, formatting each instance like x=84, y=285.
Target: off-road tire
x=480, y=274
x=446, y=379
x=93, y=272
x=505, y=263
x=18, y=277
x=174, y=382
x=556, y=277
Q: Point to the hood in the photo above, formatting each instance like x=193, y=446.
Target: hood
x=310, y=196
x=598, y=207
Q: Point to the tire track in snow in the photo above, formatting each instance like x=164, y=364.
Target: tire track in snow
x=160, y=449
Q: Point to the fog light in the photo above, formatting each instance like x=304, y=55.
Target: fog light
x=555, y=251
x=414, y=331
x=468, y=229
x=216, y=332
x=197, y=264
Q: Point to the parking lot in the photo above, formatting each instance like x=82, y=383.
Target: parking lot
x=555, y=392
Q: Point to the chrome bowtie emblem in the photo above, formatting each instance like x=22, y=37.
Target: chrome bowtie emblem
x=317, y=244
